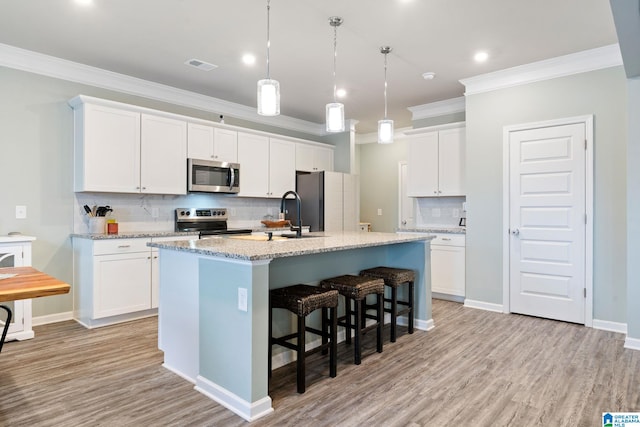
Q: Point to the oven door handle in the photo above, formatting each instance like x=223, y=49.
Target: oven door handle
x=232, y=177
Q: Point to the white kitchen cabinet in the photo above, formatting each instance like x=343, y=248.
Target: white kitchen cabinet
x=163, y=155
x=211, y=143
x=16, y=252
x=116, y=280
x=313, y=158
x=267, y=166
x=124, y=151
x=436, y=163
x=448, y=266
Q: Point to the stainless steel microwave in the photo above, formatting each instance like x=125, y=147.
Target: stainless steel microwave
x=213, y=177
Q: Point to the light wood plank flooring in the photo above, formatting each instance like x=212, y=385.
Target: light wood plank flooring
x=476, y=368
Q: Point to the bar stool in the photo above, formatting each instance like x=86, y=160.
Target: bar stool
x=356, y=289
x=393, y=278
x=5, y=328
x=301, y=300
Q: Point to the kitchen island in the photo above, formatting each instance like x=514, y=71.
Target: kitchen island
x=214, y=301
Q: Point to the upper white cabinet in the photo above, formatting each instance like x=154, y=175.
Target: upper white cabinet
x=163, y=155
x=436, y=163
x=267, y=165
x=209, y=143
x=124, y=151
x=313, y=158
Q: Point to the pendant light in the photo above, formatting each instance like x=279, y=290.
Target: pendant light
x=268, y=89
x=385, y=126
x=335, y=110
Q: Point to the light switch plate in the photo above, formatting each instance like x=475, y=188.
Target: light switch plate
x=242, y=299
x=21, y=212
x=379, y=212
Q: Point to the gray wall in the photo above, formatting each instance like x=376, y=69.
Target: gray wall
x=36, y=165
x=601, y=93
x=378, y=166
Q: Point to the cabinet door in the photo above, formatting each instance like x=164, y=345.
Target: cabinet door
x=423, y=166
x=448, y=270
x=163, y=165
x=253, y=156
x=107, y=150
x=225, y=145
x=199, y=141
x=451, y=151
x=11, y=256
x=122, y=284
x=282, y=167
x=323, y=159
x=304, y=157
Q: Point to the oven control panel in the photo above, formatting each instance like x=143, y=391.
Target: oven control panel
x=201, y=214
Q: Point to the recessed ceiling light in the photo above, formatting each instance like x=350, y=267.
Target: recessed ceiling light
x=341, y=93
x=481, y=56
x=200, y=65
x=249, y=59
x=429, y=75
x=84, y=2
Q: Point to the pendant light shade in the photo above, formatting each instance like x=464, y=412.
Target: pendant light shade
x=268, y=89
x=385, y=126
x=335, y=110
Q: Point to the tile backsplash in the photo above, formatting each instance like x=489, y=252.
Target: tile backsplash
x=439, y=211
x=150, y=212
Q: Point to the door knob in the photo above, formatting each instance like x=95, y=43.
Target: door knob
x=515, y=232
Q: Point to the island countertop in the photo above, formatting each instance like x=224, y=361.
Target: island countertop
x=317, y=242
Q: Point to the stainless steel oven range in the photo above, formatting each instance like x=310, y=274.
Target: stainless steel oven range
x=209, y=222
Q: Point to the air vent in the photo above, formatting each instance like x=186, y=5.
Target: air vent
x=201, y=65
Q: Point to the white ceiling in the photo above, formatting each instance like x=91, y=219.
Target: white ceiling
x=151, y=39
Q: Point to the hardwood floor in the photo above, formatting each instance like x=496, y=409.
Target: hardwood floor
x=476, y=368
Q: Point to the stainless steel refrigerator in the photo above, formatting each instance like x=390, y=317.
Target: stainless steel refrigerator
x=330, y=201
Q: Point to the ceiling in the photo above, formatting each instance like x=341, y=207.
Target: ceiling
x=151, y=39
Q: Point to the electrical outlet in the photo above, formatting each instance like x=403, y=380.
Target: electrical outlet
x=456, y=213
x=379, y=212
x=242, y=299
x=21, y=212
x=155, y=212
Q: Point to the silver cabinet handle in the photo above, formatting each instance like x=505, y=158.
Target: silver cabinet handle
x=515, y=232
x=123, y=246
x=446, y=239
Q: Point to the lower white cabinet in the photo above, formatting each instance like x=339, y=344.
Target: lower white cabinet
x=16, y=252
x=115, y=279
x=448, y=266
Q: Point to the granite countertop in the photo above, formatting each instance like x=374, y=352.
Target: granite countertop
x=318, y=242
x=133, y=235
x=434, y=229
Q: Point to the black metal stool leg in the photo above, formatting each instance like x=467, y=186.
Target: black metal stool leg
x=357, y=350
x=5, y=329
x=333, y=353
x=411, y=313
x=380, y=309
x=394, y=312
x=301, y=351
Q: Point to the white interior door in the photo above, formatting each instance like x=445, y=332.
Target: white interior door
x=406, y=203
x=547, y=178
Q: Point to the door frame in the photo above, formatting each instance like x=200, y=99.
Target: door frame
x=587, y=120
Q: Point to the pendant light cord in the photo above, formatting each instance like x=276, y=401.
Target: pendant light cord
x=268, y=39
x=385, y=86
x=335, y=56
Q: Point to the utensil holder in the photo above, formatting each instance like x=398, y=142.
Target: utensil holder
x=97, y=225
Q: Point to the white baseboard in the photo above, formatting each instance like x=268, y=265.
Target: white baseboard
x=178, y=373
x=606, y=325
x=632, y=343
x=247, y=410
x=481, y=305
x=52, y=318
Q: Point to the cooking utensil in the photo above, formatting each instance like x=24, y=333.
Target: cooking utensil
x=87, y=209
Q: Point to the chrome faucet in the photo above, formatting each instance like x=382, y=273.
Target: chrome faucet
x=297, y=229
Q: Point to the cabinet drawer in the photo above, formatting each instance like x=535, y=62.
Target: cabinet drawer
x=449, y=240
x=120, y=246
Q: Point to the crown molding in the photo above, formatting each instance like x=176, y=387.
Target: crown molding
x=561, y=66
x=437, y=109
x=50, y=66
